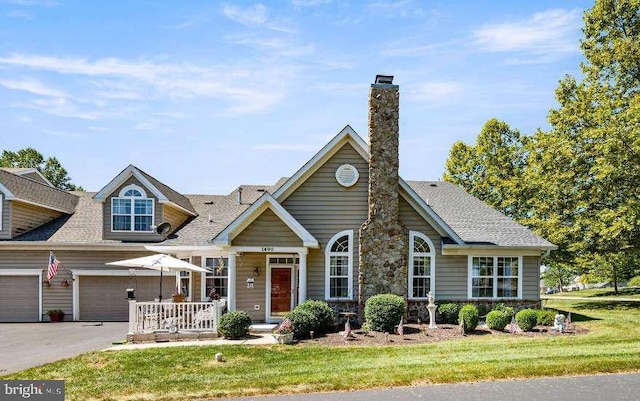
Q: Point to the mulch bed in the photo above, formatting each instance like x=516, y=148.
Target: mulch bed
x=420, y=334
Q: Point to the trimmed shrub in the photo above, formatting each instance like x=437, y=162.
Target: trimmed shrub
x=483, y=309
x=234, y=324
x=468, y=318
x=324, y=315
x=634, y=282
x=497, y=320
x=527, y=319
x=507, y=309
x=303, y=321
x=384, y=311
x=449, y=313
x=545, y=317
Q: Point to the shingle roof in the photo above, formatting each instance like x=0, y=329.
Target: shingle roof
x=473, y=220
x=32, y=191
x=169, y=192
x=215, y=213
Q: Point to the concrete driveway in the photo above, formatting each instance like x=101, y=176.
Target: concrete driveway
x=25, y=345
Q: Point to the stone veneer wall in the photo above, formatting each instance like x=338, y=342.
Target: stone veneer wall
x=383, y=240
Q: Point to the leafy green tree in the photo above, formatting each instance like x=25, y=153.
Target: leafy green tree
x=492, y=168
x=50, y=167
x=587, y=168
x=558, y=275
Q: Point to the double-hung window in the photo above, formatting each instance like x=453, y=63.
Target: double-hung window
x=217, y=277
x=132, y=210
x=422, y=266
x=495, y=277
x=339, y=266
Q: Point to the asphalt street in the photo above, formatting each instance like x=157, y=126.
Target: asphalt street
x=25, y=345
x=614, y=387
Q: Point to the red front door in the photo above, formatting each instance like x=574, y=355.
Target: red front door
x=280, y=291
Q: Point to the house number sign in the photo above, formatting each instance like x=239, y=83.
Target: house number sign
x=268, y=249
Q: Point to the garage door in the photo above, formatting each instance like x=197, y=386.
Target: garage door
x=103, y=297
x=19, y=301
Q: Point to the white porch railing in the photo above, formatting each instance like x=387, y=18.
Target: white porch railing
x=145, y=317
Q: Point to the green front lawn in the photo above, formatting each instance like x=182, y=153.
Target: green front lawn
x=627, y=292
x=184, y=373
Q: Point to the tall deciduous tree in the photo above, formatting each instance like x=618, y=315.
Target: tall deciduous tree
x=50, y=167
x=587, y=167
x=492, y=168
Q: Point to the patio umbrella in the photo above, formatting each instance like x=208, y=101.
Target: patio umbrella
x=159, y=262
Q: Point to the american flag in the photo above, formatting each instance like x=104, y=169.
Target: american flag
x=400, y=328
x=53, y=266
x=513, y=326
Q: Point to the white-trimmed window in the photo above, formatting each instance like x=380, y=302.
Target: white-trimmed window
x=217, y=277
x=495, y=277
x=422, y=266
x=132, y=210
x=1, y=204
x=184, y=280
x=339, y=266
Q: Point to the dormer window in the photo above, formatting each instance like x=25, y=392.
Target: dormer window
x=132, y=210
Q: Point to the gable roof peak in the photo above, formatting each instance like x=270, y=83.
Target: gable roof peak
x=163, y=192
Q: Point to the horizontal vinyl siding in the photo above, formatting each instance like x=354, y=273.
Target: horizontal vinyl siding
x=450, y=271
x=56, y=296
x=269, y=230
x=129, y=236
x=196, y=280
x=248, y=297
x=26, y=217
x=5, y=229
x=325, y=208
x=172, y=216
x=531, y=277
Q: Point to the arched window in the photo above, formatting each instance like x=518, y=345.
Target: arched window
x=339, y=266
x=422, y=266
x=132, y=210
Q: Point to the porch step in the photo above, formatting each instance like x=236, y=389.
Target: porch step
x=262, y=327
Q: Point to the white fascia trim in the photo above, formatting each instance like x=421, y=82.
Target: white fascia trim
x=182, y=248
x=427, y=212
x=7, y=194
x=131, y=170
x=20, y=272
x=123, y=272
x=347, y=135
x=68, y=246
x=490, y=250
x=254, y=211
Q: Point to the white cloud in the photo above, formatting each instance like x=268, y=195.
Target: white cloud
x=245, y=88
x=250, y=16
x=433, y=92
x=552, y=31
x=401, y=8
x=32, y=3
x=255, y=17
x=32, y=86
x=67, y=108
x=310, y=3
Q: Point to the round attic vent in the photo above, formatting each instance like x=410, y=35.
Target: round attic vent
x=347, y=175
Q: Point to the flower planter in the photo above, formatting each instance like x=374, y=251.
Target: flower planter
x=56, y=317
x=284, y=338
x=177, y=298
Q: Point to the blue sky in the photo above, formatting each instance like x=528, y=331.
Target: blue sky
x=207, y=95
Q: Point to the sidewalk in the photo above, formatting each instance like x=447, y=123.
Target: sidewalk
x=254, y=339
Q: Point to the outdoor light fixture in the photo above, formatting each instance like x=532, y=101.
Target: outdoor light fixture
x=256, y=271
x=64, y=283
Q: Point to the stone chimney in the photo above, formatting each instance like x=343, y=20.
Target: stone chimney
x=383, y=240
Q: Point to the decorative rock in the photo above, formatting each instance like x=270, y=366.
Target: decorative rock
x=219, y=357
